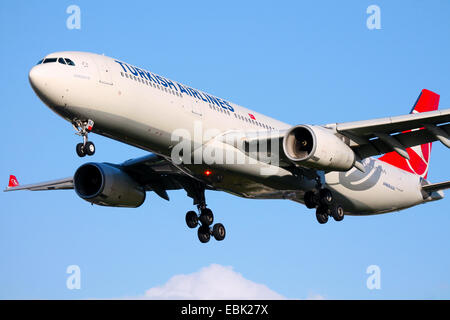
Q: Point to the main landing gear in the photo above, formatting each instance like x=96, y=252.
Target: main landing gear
x=204, y=220
x=83, y=128
x=325, y=206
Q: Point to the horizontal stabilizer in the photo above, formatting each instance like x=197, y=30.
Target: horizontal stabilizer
x=436, y=186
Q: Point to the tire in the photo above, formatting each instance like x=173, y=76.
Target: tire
x=310, y=201
x=80, y=150
x=206, y=217
x=204, y=234
x=191, y=219
x=219, y=232
x=89, y=148
x=322, y=214
x=326, y=197
x=338, y=213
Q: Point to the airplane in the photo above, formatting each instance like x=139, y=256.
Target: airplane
x=196, y=142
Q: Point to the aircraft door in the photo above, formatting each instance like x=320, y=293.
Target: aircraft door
x=104, y=71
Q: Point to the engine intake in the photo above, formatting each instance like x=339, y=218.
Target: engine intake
x=317, y=147
x=105, y=185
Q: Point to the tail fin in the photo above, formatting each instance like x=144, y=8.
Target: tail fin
x=13, y=182
x=419, y=155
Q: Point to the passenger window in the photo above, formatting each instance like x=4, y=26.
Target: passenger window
x=61, y=60
x=69, y=62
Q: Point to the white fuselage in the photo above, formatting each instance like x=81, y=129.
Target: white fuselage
x=134, y=106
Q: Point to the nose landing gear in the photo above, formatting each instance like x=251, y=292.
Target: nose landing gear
x=83, y=128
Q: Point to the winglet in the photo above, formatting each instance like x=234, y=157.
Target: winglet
x=427, y=101
x=13, y=182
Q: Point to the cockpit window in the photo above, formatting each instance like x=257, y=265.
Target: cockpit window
x=69, y=62
x=49, y=60
x=60, y=60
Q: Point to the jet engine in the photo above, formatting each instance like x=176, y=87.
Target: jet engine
x=317, y=147
x=106, y=185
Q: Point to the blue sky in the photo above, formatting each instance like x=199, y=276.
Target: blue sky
x=314, y=62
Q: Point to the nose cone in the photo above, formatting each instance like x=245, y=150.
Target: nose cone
x=37, y=79
x=46, y=85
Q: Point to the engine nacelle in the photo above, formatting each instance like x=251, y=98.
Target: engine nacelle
x=317, y=147
x=106, y=185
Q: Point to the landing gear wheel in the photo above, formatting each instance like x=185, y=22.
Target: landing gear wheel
x=191, y=219
x=219, y=231
x=89, y=148
x=80, y=150
x=322, y=214
x=326, y=197
x=206, y=217
x=310, y=201
x=83, y=128
x=204, y=234
x=337, y=213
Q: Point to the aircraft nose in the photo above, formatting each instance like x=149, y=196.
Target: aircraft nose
x=45, y=85
x=36, y=77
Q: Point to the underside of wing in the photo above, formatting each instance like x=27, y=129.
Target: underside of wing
x=151, y=172
x=380, y=136
x=60, y=184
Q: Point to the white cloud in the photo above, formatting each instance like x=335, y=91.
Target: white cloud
x=213, y=282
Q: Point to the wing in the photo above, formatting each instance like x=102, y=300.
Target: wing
x=368, y=137
x=374, y=137
x=60, y=184
x=153, y=172
x=157, y=174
